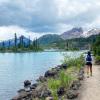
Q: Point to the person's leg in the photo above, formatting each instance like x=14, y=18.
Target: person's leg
x=91, y=70
x=87, y=71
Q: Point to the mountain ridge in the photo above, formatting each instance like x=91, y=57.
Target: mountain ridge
x=72, y=33
x=51, y=38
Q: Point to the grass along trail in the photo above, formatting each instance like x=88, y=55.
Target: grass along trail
x=90, y=89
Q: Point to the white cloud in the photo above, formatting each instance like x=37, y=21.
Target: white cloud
x=7, y=32
x=70, y=8
x=46, y=16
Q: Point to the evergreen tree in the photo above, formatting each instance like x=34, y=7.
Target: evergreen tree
x=34, y=44
x=15, y=41
x=66, y=45
x=29, y=42
x=9, y=44
x=21, y=42
x=96, y=46
x=3, y=44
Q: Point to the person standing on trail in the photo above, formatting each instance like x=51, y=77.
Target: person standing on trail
x=89, y=64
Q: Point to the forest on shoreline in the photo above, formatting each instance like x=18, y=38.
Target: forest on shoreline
x=20, y=44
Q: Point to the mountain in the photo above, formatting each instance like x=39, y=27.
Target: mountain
x=73, y=33
x=70, y=34
x=53, y=38
x=48, y=39
x=12, y=41
x=92, y=32
x=76, y=43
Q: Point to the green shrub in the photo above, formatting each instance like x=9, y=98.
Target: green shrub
x=53, y=86
x=65, y=79
x=97, y=58
x=77, y=62
x=96, y=46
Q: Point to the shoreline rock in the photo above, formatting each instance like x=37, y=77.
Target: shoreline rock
x=40, y=90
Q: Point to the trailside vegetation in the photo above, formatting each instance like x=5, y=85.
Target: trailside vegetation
x=96, y=49
x=66, y=76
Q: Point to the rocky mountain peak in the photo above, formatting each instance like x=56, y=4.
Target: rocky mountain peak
x=73, y=33
x=92, y=32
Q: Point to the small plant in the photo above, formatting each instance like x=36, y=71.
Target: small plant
x=74, y=62
x=53, y=86
x=65, y=79
x=97, y=60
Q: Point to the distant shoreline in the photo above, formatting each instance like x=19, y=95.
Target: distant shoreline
x=28, y=51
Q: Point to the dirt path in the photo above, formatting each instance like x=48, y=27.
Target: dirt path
x=90, y=89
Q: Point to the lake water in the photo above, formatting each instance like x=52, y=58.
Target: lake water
x=17, y=67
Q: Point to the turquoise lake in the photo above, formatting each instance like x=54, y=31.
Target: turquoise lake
x=17, y=67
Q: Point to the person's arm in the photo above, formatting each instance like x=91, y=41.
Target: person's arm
x=91, y=58
x=86, y=58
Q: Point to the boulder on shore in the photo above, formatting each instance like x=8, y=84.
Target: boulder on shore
x=50, y=73
x=61, y=91
x=64, y=66
x=75, y=85
x=72, y=94
x=23, y=96
x=41, y=79
x=33, y=86
x=27, y=83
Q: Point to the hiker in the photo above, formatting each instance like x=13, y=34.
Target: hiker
x=89, y=64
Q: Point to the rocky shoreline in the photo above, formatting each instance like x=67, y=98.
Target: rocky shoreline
x=40, y=90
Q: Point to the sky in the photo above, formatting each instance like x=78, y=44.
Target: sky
x=35, y=18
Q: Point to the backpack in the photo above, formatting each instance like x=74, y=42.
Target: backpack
x=88, y=58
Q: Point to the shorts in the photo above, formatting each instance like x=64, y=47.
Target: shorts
x=89, y=63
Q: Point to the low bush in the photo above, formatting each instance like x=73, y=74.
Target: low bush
x=97, y=59
x=53, y=85
x=65, y=79
x=75, y=62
